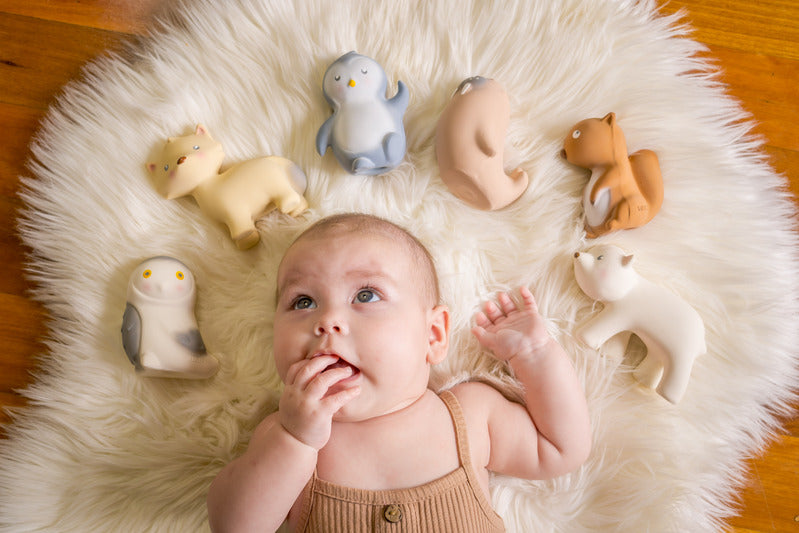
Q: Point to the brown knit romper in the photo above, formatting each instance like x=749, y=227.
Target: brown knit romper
x=454, y=502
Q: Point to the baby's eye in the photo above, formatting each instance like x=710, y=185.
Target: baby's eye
x=366, y=296
x=303, y=302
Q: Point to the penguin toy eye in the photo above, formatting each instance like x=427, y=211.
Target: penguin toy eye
x=364, y=71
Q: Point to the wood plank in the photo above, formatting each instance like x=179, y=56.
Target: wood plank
x=39, y=56
x=768, y=27
x=22, y=330
x=126, y=16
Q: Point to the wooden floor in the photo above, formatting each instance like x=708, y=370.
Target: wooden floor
x=43, y=44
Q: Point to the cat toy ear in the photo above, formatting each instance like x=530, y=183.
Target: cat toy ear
x=610, y=118
x=201, y=130
x=151, y=167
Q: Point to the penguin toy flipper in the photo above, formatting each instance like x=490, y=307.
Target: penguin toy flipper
x=192, y=341
x=400, y=100
x=323, y=136
x=131, y=334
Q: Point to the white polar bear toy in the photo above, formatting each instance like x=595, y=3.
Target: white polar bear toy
x=672, y=330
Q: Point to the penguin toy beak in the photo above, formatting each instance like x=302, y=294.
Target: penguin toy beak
x=351, y=83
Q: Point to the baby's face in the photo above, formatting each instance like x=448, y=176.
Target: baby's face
x=358, y=297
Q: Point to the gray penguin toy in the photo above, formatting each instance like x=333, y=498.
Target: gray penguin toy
x=365, y=130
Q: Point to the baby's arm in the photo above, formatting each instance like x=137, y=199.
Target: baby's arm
x=553, y=435
x=256, y=491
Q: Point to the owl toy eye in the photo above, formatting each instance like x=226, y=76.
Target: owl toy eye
x=576, y=134
x=179, y=275
x=147, y=273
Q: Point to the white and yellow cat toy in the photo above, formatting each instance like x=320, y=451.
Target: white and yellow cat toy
x=237, y=196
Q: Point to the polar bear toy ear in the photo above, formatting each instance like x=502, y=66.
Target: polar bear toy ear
x=627, y=260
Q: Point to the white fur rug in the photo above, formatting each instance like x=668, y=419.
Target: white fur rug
x=102, y=449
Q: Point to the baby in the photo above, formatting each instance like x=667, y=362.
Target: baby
x=359, y=442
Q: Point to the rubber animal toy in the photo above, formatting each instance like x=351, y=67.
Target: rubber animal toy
x=365, y=130
x=159, y=331
x=671, y=329
x=237, y=196
x=623, y=192
x=470, y=140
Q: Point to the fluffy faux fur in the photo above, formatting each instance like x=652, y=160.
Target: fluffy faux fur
x=102, y=449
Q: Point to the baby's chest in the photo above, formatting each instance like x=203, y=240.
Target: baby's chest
x=391, y=461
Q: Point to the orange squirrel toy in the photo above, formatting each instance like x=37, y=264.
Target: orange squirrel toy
x=623, y=192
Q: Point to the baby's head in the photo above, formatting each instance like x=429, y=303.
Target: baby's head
x=358, y=225
x=365, y=291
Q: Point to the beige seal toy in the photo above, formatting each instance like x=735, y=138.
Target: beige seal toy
x=624, y=192
x=470, y=139
x=237, y=196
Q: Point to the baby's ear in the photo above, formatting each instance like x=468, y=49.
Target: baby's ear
x=439, y=334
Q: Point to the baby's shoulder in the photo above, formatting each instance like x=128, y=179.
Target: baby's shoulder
x=477, y=399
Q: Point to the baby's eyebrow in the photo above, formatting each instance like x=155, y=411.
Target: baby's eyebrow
x=289, y=280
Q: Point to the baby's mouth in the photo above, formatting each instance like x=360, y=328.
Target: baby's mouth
x=341, y=363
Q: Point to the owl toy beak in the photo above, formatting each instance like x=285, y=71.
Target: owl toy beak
x=351, y=83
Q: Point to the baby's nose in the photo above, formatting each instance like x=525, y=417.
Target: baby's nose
x=329, y=327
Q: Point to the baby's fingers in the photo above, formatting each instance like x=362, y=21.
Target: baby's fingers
x=507, y=304
x=485, y=338
x=528, y=299
x=318, y=386
x=492, y=312
x=302, y=372
x=481, y=319
x=336, y=401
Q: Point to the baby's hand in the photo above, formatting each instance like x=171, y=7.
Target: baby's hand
x=307, y=406
x=509, y=331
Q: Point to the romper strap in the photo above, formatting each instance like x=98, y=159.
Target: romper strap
x=462, y=441
x=459, y=422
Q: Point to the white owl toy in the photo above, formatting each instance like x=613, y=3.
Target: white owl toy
x=159, y=330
